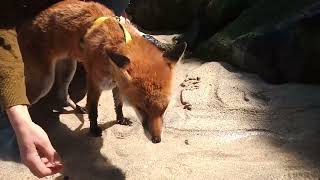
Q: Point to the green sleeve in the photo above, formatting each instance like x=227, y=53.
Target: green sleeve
x=12, y=81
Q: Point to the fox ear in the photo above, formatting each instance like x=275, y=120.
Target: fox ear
x=175, y=53
x=120, y=60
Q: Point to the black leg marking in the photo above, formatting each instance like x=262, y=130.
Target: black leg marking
x=118, y=108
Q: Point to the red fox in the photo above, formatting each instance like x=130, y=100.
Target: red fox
x=112, y=53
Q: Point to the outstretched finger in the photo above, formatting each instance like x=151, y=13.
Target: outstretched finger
x=36, y=166
x=55, y=168
x=46, y=150
x=50, y=157
x=46, y=162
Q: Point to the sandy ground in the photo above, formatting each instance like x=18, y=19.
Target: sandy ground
x=221, y=124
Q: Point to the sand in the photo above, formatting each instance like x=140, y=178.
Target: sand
x=221, y=124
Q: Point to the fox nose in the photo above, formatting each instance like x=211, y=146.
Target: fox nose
x=156, y=139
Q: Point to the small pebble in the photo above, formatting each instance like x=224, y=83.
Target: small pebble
x=198, y=78
x=186, y=142
x=182, y=85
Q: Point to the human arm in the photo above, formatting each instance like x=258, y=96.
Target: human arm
x=35, y=148
x=36, y=151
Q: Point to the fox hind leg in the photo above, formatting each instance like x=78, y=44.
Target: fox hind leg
x=38, y=82
x=65, y=70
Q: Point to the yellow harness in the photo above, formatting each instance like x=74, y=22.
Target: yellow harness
x=102, y=19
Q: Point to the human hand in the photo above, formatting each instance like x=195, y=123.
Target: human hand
x=36, y=151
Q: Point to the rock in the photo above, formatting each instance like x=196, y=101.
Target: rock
x=216, y=14
x=277, y=41
x=186, y=142
x=163, y=14
x=166, y=14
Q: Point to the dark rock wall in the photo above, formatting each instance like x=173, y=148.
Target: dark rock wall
x=279, y=40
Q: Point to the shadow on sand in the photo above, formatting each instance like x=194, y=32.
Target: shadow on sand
x=80, y=152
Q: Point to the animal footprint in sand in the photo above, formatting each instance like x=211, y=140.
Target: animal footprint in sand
x=189, y=84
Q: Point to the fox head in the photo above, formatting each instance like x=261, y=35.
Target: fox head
x=144, y=75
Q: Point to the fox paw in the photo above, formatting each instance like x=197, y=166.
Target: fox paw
x=124, y=121
x=96, y=131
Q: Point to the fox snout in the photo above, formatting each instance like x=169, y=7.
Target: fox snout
x=155, y=129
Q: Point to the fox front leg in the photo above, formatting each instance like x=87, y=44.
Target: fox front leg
x=92, y=108
x=118, y=108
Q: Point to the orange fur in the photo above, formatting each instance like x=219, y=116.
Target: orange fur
x=61, y=32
